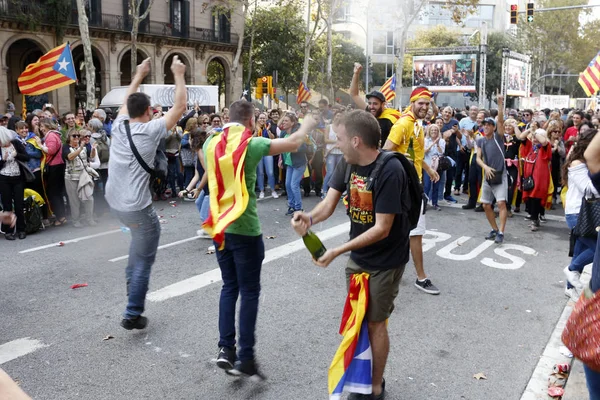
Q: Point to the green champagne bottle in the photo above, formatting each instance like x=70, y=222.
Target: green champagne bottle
x=314, y=244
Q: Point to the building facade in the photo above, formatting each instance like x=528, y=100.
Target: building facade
x=204, y=39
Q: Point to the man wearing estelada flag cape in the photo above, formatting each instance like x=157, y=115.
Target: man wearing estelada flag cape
x=379, y=247
x=231, y=158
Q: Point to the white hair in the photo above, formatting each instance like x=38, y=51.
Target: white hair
x=5, y=136
x=95, y=124
x=541, y=132
x=101, y=114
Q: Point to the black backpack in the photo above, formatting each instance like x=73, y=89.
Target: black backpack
x=33, y=215
x=415, y=188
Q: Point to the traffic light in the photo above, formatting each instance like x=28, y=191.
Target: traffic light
x=529, y=12
x=259, y=89
x=270, y=85
x=514, y=13
x=264, y=81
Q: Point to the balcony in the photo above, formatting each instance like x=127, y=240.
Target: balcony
x=33, y=14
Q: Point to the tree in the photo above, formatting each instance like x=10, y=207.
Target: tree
x=134, y=12
x=311, y=35
x=90, y=70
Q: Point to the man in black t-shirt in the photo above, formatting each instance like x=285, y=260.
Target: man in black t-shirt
x=379, y=238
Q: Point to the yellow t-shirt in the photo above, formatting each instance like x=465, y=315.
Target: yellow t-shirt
x=408, y=136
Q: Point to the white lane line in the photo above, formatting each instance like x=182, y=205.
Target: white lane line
x=214, y=275
x=164, y=246
x=47, y=246
x=549, y=217
x=18, y=348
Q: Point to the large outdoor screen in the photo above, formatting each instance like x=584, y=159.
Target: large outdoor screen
x=517, y=76
x=445, y=73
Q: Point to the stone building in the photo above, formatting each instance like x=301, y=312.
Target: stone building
x=203, y=38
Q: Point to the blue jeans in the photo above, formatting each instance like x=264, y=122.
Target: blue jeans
x=592, y=379
x=173, y=174
x=203, y=205
x=145, y=233
x=188, y=174
x=266, y=164
x=432, y=190
x=584, y=250
x=330, y=164
x=293, y=177
x=240, y=263
x=442, y=183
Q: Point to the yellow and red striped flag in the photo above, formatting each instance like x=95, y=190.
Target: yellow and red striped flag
x=225, y=158
x=53, y=70
x=590, y=78
x=389, y=88
x=303, y=93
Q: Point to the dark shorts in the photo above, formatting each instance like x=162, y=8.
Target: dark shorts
x=383, y=289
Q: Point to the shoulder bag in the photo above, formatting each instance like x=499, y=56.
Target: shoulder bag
x=29, y=176
x=582, y=330
x=160, y=159
x=588, y=220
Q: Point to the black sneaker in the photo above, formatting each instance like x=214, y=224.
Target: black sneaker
x=247, y=369
x=491, y=235
x=528, y=218
x=468, y=206
x=226, y=358
x=543, y=218
x=499, y=238
x=290, y=211
x=359, y=396
x=479, y=208
x=427, y=286
x=134, y=323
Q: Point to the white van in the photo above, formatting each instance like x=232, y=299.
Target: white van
x=207, y=97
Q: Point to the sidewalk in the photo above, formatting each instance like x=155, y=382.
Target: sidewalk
x=576, y=389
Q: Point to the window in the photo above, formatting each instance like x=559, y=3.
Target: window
x=383, y=42
x=342, y=14
x=221, y=26
x=436, y=14
x=176, y=20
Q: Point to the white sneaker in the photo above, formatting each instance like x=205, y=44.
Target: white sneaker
x=574, y=278
x=202, y=234
x=573, y=294
x=274, y=194
x=211, y=248
x=261, y=195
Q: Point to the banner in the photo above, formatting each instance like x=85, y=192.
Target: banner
x=517, y=78
x=553, y=101
x=445, y=73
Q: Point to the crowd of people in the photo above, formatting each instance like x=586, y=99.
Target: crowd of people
x=503, y=161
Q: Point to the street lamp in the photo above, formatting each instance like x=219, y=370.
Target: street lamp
x=366, y=50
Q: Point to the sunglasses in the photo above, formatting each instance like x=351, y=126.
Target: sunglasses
x=87, y=136
x=205, y=123
x=75, y=136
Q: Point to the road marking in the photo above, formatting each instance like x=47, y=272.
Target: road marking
x=549, y=217
x=47, y=246
x=214, y=275
x=164, y=246
x=18, y=348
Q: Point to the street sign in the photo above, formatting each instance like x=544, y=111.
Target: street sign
x=281, y=98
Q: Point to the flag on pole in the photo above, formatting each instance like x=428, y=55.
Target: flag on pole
x=24, y=108
x=589, y=79
x=352, y=365
x=303, y=93
x=389, y=88
x=226, y=158
x=53, y=70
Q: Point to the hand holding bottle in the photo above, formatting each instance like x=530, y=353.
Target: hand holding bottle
x=300, y=222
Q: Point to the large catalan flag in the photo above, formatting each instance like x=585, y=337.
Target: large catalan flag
x=590, y=78
x=303, y=93
x=53, y=70
x=352, y=365
x=389, y=88
x=226, y=159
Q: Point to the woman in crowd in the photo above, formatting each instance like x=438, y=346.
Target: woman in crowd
x=55, y=179
x=12, y=180
x=537, y=153
x=575, y=176
x=37, y=157
x=32, y=122
x=295, y=164
x=266, y=164
x=333, y=153
x=186, y=153
x=102, y=141
x=215, y=121
x=225, y=118
x=172, y=144
x=435, y=147
x=558, y=155
x=512, y=144
x=79, y=181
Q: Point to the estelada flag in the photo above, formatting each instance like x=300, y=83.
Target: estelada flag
x=352, y=365
x=389, y=88
x=53, y=70
x=225, y=162
x=589, y=79
x=303, y=93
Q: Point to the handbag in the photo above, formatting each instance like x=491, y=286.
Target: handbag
x=161, y=164
x=528, y=184
x=582, y=330
x=589, y=218
x=443, y=163
x=29, y=176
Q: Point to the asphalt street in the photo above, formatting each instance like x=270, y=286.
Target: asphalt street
x=497, y=308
